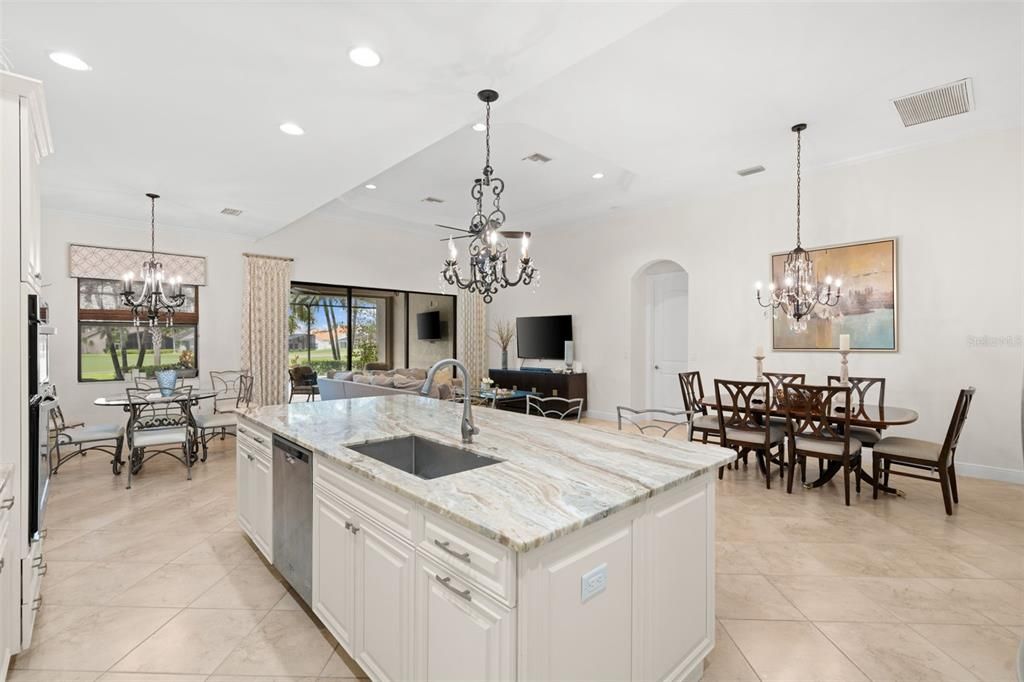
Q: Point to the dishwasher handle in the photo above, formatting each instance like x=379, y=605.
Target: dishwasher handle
x=291, y=451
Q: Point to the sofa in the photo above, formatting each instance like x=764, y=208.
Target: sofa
x=343, y=385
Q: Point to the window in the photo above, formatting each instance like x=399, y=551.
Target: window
x=341, y=328
x=110, y=347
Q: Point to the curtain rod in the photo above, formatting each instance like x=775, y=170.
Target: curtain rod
x=260, y=255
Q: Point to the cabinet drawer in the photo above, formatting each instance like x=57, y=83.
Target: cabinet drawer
x=255, y=437
x=487, y=564
x=246, y=447
x=388, y=509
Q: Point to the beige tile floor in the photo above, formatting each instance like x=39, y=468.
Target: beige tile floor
x=158, y=584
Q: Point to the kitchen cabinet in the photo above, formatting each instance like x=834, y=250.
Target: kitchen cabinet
x=461, y=633
x=334, y=566
x=255, y=488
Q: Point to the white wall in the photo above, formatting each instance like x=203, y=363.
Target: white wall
x=219, y=301
x=956, y=209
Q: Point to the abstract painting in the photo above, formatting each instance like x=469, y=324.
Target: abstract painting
x=867, y=309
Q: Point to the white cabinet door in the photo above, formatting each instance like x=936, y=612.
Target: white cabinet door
x=385, y=569
x=261, y=509
x=334, y=563
x=243, y=490
x=461, y=634
x=31, y=251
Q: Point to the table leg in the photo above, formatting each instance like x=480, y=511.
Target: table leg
x=834, y=467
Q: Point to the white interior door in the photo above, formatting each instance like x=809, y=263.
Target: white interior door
x=667, y=332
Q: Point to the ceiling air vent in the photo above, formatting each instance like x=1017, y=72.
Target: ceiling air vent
x=537, y=158
x=935, y=103
x=432, y=200
x=231, y=211
x=753, y=170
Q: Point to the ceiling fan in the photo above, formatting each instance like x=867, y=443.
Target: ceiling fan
x=507, y=234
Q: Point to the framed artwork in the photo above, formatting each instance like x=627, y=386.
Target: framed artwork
x=868, y=305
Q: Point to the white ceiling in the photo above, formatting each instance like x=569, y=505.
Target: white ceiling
x=666, y=101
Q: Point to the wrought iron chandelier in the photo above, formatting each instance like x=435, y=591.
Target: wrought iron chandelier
x=488, y=246
x=152, y=302
x=801, y=293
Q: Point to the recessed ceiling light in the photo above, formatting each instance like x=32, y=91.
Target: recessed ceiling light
x=370, y=186
x=364, y=56
x=69, y=61
x=479, y=127
x=597, y=176
x=292, y=129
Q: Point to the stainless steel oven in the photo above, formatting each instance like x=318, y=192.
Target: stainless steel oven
x=41, y=402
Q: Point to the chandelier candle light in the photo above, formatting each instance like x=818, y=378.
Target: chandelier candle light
x=152, y=301
x=488, y=249
x=801, y=292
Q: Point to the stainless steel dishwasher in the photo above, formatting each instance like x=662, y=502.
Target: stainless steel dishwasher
x=293, y=515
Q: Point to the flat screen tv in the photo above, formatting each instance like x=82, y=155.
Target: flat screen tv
x=428, y=325
x=543, y=338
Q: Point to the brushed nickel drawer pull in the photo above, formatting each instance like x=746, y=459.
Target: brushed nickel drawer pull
x=3, y=562
x=36, y=603
x=7, y=504
x=447, y=582
x=446, y=546
x=42, y=568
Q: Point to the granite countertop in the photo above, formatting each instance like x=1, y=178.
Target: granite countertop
x=554, y=477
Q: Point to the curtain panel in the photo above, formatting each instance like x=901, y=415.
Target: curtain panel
x=472, y=335
x=265, y=327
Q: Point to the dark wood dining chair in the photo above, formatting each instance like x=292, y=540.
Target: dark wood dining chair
x=700, y=422
x=742, y=425
x=777, y=381
x=927, y=455
x=813, y=430
x=861, y=389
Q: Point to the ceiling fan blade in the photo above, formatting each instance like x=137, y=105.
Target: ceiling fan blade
x=516, y=235
x=464, y=236
x=449, y=227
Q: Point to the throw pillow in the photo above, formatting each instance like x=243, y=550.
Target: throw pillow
x=382, y=380
x=361, y=378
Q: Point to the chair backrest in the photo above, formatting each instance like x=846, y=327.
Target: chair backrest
x=162, y=413
x=743, y=407
x=245, y=384
x=778, y=380
x=693, y=393
x=811, y=413
x=956, y=423
x=225, y=382
x=645, y=419
x=861, y=388
x=303, y=375
x=563, y=408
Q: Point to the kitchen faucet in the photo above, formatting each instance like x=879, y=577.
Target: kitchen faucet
x=468, y=428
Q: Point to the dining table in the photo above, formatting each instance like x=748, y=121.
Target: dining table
x=879, y=417
x=156, y=398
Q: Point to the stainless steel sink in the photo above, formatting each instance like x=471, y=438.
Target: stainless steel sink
x=422, y=457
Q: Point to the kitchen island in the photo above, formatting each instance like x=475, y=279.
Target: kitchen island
x=560, y=552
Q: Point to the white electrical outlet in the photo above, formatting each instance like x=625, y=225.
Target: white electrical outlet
x=593, y=582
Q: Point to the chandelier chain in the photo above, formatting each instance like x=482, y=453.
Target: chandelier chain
x=798, y=188
x=487, y=141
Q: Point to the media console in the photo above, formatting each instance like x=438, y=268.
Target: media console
x=548, y=384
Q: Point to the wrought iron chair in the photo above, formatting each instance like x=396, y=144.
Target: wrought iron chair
x=563, y=408
x=922, y=454
x=813, y=430
x=650, y=418
x=221, y=419
x=80, y=439
x=702, y=423
x=861, y=388
x=742, y=425
x=159, y=423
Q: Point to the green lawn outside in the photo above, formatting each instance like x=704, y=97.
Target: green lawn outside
x=98, y=366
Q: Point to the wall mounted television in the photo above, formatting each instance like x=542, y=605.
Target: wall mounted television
x=543, y=338
x=428, y=325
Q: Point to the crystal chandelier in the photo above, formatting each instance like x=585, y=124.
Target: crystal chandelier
x=488, y=248
x=801, y=293
x=152, y=301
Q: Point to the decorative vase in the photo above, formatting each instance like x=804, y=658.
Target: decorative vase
x=504, y=358
x=165, y=381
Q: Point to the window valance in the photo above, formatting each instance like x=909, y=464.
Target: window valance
x=101, y=262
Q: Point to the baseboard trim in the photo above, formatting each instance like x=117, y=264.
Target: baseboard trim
x=991, y=473
x=603, y=416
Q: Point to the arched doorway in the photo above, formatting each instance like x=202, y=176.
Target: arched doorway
x=660, y=329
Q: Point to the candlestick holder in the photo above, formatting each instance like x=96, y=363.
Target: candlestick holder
x=760, y=367
x=844, y=370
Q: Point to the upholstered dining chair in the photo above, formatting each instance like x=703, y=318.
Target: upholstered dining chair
x=776, y=382
x=861, y=389
x=156, y=426
x=223, y=420
x=227, y=384
x=700, y=422
x=813, y=430
x=927, y=455
x=651, y=419
x=742, y=426
x=303, y=382
x=562, y=408
x=71, y=440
